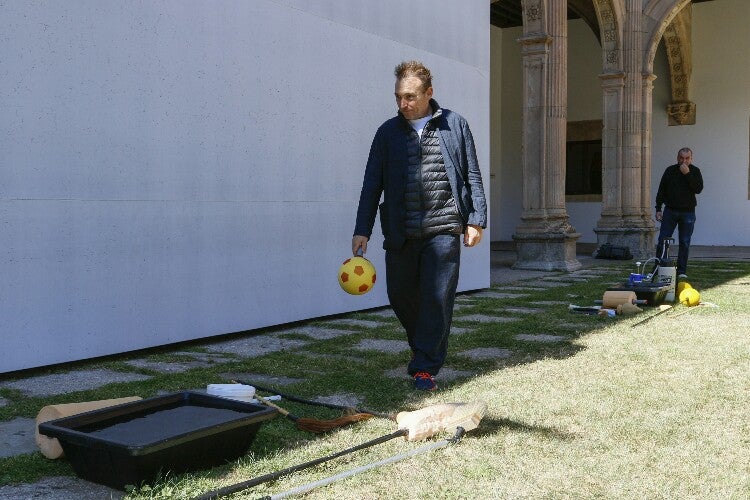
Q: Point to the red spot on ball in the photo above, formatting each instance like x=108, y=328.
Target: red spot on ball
x=359, y=270
x=363, y=288
x=344, y=277
x=347, y=260
x=373, y=278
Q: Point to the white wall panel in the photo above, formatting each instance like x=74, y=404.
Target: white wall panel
x=178, y=169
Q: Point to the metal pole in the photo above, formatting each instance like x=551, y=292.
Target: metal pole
x=343, y=475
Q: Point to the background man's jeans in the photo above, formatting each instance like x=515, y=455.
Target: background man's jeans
x=421, y=278
x=684, y=221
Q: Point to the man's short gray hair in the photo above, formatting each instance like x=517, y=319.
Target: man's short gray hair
x=414, y=68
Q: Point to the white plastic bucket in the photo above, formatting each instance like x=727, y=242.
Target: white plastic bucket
x=667, y=275
x=239, y=392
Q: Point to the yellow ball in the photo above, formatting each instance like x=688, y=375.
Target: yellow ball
x=682, y=285
x=357, y=275
x=690, y=297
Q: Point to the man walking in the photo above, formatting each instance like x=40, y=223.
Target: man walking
x=424, y=162
x=677, y=189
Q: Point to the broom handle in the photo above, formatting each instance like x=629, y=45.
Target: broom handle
x=277, y=408
x=234, y=488
x=670, y=308
x=297, y=399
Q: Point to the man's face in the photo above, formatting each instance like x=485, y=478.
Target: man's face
x=411, y=98
x=684, y=158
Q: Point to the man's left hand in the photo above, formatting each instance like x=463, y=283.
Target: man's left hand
x=472, y=236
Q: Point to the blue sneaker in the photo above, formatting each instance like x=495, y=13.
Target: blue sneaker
x=423, y=381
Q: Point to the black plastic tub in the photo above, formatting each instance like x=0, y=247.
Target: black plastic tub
x=132, y=443
x=652, y=293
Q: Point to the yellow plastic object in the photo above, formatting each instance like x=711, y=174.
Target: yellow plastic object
x=357, y=275
x=690, y=297
x=681, y=286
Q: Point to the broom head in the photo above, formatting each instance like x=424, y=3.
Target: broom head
x=317, y=426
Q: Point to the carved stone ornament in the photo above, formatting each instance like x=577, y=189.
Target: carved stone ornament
x=681, y=113
x=533, y=12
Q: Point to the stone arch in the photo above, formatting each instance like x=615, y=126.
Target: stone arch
x=659, y=14
x=610, y=19
x=677, y=41
x=585, y=10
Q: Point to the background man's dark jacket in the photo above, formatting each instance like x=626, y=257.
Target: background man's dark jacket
x=677, y=190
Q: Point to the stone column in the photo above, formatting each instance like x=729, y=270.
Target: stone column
x=646, y=242
x=632, y=115
x=625, y=219
x=612, y=89
x=544, y=238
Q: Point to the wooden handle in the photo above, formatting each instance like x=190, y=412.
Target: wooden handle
x=268, y=403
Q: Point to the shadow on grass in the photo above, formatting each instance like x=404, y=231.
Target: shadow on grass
x=491, y=426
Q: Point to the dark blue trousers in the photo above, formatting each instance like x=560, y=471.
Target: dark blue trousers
x=684, y=221
x=421, y=278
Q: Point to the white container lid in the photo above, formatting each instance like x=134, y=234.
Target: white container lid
x=231, y=390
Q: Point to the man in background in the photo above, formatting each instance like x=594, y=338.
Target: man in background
x=677, y=189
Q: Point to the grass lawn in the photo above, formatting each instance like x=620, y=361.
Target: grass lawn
x=659, y=410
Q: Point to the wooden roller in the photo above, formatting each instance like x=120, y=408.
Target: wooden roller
x=50, y=447
x=614, y=298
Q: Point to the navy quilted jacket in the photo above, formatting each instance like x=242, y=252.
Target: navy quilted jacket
x=387, y=171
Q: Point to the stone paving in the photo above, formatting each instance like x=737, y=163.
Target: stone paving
x=385, y=313
x=17, y=437
x=487, y=353
x=550, y=302
x=166, y=367
x=457, y=330
x=317, y=333
x=541, y=337
x=389, y=346
x=61, y=383
x=365, y=323
x=252, y=347
x=483, y=318
x=491, y=294
x=522, y=310
x=262, y=379
x=59, y=488
x=550, y=284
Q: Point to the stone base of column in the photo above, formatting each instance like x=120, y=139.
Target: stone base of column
x=640, y=240
x=546, y=251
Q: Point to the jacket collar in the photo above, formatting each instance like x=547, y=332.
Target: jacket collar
x=437, y=112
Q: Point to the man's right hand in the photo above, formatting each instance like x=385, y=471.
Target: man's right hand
x=658, y=216
x=358, y=242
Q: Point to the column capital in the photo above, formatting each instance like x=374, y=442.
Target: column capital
x=535, y=43
x=612, y=80
x=617, y=75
